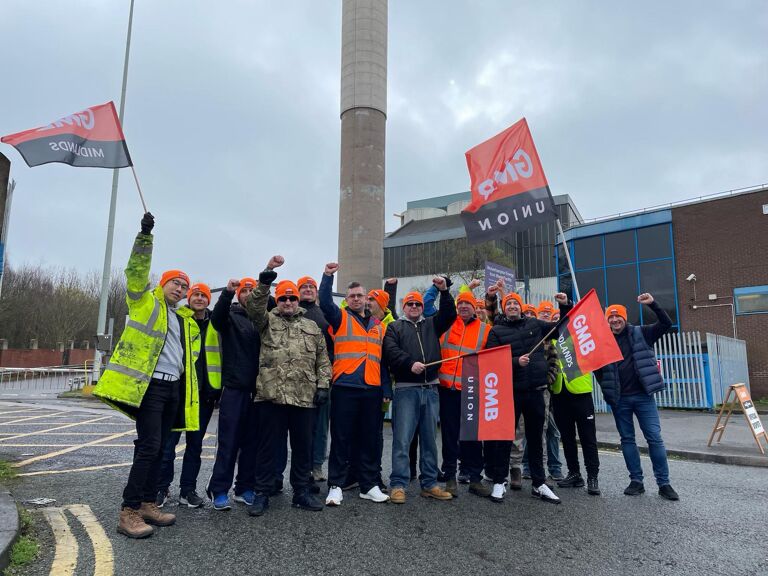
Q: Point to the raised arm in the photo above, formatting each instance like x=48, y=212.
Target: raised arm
x=139, y=263
x=325, y=293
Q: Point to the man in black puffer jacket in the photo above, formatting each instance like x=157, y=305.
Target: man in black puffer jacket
x=409, y=343
x=529, y=378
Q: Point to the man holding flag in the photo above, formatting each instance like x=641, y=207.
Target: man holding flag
x=628, y=387
x=529, y=369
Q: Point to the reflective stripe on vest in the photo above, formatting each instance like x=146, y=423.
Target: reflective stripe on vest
x=212, y=347
x=353, y=345
x=450, y=370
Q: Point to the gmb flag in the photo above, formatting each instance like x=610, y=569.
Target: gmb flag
x=91, y=138
x=509, y=190
x=487, y=401
x=584, y=340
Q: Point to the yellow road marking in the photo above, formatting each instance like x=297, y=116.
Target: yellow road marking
x=83, y=469
x=68, y=450
x=30, y=418
x=65, y=556
x=102, y=547
x=25, y=434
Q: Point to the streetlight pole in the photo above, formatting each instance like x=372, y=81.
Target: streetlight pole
x=101, y=324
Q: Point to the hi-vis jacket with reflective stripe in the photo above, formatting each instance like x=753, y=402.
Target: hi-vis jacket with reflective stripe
x=353, y=346
x=460, y=339
x=579, y=385
x=130, y=369
x=213, y=356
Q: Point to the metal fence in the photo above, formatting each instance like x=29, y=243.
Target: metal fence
x=696, y=372
x=45, y=379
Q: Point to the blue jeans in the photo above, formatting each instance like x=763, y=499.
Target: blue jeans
x=414, y=407
x=644, y=408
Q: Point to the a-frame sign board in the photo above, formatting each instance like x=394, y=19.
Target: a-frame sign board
x=739, y=395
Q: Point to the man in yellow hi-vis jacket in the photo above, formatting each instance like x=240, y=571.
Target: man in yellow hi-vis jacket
x=151, y=378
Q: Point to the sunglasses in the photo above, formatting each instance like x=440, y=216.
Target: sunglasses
x=288, y=299
x=414, y=304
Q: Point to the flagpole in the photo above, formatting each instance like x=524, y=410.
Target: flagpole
x=138, y=186
x=568, y=259
x=101, y=324
x=463, y=355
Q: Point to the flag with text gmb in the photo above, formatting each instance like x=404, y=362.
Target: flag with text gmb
x=487, y=399
x=91, y=138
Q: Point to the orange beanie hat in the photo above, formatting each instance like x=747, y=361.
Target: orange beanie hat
x=246, y=282
x=286, y=288
x=169, y=275
x=413, y=297
x=545, y=306
x=512, y=296
x=616, y=310
x=202, y=288
x=466, y=297
x=381, y=297
x=306, y=280
x=529, y=308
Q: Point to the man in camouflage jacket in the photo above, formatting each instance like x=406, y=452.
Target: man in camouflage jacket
x=294, y=377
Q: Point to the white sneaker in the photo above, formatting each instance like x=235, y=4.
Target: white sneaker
x=375, y=494
x=545, y=493
x=497, y=495
x=335, y=496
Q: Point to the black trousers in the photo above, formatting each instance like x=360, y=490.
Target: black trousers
x=471, y=453
x=153, y=428
x=235, y=443
x=531, y=405
x=577, y=412
x=355, y=418
x=274, y=422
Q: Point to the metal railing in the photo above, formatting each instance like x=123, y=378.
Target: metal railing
x=48, y=378
x=727, y=365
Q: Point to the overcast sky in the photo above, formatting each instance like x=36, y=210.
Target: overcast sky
x=232, y=114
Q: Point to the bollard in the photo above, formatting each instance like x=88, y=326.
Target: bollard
x=33, y=344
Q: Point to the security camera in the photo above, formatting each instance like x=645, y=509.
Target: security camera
x=691, y=278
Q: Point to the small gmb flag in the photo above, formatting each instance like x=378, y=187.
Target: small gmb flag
x=487, y=399
x=509, y=189
x=91, y=138
x=584, y=340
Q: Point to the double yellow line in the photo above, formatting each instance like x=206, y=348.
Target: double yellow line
x=67, y=548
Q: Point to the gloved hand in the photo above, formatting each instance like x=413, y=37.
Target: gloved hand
x=267, y=277
x=448, y=282
x=321, y=396
x=147, y=223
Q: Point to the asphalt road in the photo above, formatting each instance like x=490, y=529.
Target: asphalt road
x=718, y=526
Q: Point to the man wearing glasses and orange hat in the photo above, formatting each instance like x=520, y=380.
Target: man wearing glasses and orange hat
x=294, y=377
x=628, y=387
x=151, y=378
x=410, y=343
x=235, y=441
x=208, y=368
x=358, y=390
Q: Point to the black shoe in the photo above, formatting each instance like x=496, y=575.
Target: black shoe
x=259, y=506
x=162, y=497
x=573, y=480
x=635, y=488
x=190, y=499
x=515, y=479
x=463, y=478
x=593, y=487
x=306, y=501
x=313, y=488
x=668, y=492
x=383, y=487
x=350, y=486
x=277, y=489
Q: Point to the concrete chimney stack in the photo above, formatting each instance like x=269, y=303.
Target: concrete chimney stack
x=363, y=136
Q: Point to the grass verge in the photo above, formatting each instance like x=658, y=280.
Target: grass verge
x=26, y=548
x=6, y=472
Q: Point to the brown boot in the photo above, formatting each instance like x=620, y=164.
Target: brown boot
x=479, y=489
x=397, y=496
x=452, y=487
x=515, y=478
x=132, y=524
x=153, y=515
x=437, y=493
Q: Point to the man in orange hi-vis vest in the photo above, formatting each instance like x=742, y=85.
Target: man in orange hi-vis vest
x=359, y=386
x=466, y=335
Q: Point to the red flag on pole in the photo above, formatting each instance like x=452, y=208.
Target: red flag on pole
x=509, y=190
x=91, y=138
x=487, y=399
x=585, y=341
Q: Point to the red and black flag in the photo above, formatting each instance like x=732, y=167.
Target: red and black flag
x=91, y=138
x=509, y=190
x=487, y=399
x=584, y=340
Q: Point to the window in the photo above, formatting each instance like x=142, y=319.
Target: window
x=622, y=289
x=588, y=252
x=657, y=279
x=654, y=242
x=751, y=300
x=620, y=247
x=591, y=279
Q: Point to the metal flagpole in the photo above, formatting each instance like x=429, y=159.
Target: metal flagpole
x=6, y=218
x=101, y=324
x=570, y=264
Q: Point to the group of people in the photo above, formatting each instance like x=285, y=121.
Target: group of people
x=291, y=365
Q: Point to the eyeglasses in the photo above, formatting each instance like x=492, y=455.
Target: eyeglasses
x=180, y=284
x=355, y=296
x=288, y=299
x=413, y=304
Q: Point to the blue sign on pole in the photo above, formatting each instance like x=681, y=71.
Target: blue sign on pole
x=495, y=271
